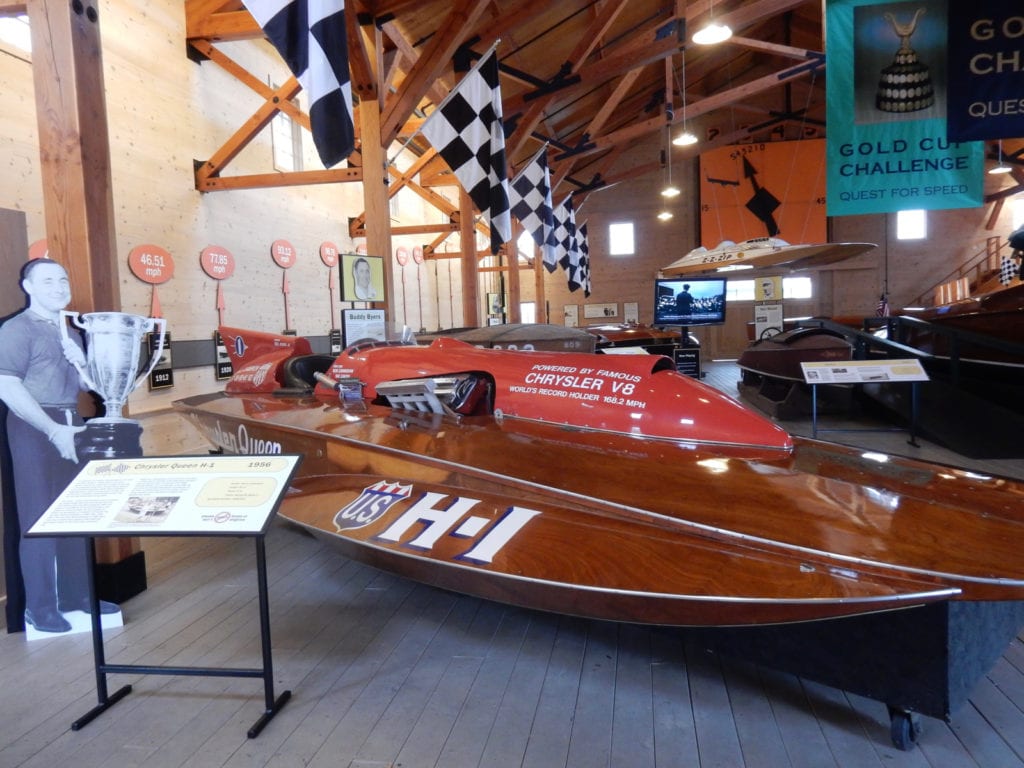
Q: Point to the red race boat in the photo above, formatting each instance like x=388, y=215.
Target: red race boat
x=609, y=487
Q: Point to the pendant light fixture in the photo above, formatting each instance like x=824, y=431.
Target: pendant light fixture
x=712, y=33
x=685, y=138
x=670, y=190
x=1001, y=167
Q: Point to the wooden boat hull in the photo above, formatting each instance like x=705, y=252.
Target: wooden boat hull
x=519, y=336
x=998, y=315
x=780, y=356
x=616, y=527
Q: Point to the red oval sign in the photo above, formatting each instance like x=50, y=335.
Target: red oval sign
x=151, y=264
x=217, y=262
x=283, y=253
x=329, y=253
x=417, y=254
x=38, y=250
x=402, y=255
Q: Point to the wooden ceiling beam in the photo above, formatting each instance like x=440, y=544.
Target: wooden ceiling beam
x=219, y=20
x=801, y=54
x=588, y=41
x=229, y=65
x=246, y=133
x=276, y=179
x=410, y=55
x=364, y=61
x=401, y=179
x=429, y=67
x=636, y=131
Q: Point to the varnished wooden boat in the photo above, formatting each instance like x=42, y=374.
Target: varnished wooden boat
x=554, y=338
x=539, y=506
x=780, y=356
x=997, y=315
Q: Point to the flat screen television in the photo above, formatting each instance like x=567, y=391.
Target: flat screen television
x=689, y=301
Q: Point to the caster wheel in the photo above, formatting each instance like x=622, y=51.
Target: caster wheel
x=904, y=728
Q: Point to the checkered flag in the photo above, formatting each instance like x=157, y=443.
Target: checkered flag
x=582, y=276
x=1007, y=270
x=466, y=130
x=310, y=36
x=565, y=233
x=530, y=195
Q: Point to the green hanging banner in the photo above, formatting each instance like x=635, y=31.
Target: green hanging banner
x=886, y=70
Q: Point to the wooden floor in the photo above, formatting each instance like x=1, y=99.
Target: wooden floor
x=387, y=672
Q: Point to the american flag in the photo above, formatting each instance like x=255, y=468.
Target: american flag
x=882, y=310
x=466, y=130
x=310, y=36
x=530, y=195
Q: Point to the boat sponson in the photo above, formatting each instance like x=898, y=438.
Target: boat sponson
x=846, y=526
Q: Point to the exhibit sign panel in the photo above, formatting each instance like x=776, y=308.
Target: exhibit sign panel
x=173, y=495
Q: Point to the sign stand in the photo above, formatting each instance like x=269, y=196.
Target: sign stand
x=167, y=496
x=105, y=701
x=865, y=372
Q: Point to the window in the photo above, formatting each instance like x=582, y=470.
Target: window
x=792, y=288
x=14, y=31
x=911, y=225
x=739, y=290
x=528, y=311
x=797, y=288
x=525, y=245
x=1018, y=213
x=286, y=136
x=620, y=239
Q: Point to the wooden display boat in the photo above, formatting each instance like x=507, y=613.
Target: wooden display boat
x=553, y=338
x=997, y=315
x=496, y=474
x=780, y=356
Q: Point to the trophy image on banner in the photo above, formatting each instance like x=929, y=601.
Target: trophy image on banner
x=906, y=84
x=113, y=342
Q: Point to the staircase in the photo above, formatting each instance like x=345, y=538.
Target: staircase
x=978, y=275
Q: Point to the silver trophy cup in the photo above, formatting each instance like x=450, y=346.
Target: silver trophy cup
x=113, y=341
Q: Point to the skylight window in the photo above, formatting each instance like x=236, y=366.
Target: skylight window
x=14, y=31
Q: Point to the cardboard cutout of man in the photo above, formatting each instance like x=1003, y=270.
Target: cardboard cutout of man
x=40, y=384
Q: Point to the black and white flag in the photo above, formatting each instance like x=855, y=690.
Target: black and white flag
x=310, y=36
x=530, y=195
x=1007, y=270
x=466, y=130
x=565, y=234
x=582, y=276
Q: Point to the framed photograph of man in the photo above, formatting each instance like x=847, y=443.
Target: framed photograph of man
x=362, y=277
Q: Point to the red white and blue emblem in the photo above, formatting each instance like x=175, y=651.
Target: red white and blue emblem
x=371, y=504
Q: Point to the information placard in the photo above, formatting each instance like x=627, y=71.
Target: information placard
x=863, y=371
x=170, y=495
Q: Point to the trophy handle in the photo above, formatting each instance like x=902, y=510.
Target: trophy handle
x=154, y=323
x=74, y=317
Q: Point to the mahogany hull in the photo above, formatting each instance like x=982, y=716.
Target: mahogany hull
x=615, y=527
x=781, y=355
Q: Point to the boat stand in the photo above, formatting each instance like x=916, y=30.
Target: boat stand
x=918, y=661
x=266, y=672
